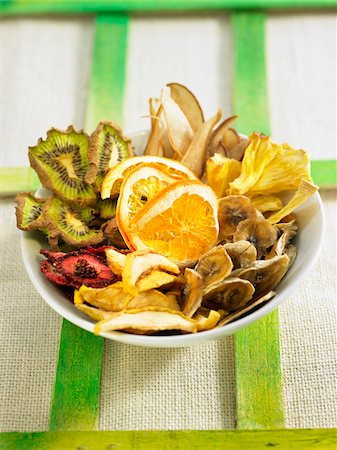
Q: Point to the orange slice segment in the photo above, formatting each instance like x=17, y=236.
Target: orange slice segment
x=138, y=187
x=113, y=179
x=180, y=222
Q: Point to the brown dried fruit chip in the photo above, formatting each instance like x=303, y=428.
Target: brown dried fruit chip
x=257, y=231
x=242, y=253
x=192, y=294
x=214, y=266
x=230, y=294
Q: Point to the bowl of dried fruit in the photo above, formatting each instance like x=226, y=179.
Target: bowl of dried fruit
x=173, y=236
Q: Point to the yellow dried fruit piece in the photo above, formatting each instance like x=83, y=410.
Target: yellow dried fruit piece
x=110, y=298
x=258, y=231
x=115, y=260
x=267, y=203
x=220, y=172
x=232, y=210
x=155, y=279
x=192, y=294
x=270, y=168
x=142, y=262
x=305, y=190
x=230, y=294
x=207, y=323
x=152, y=298
x=149, y=319
x=242, y=253
x=95, y=313
x=214, y=266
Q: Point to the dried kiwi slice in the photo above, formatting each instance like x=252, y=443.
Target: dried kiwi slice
x=107, y=208
x=29, y=211
x=71, y=223
x=107, y=148
x=61, y=162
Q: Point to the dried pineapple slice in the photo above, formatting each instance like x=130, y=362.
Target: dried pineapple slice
x=220, y=172
x=269, y=168
x=267, y=203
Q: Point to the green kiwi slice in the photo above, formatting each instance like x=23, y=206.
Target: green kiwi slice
x=71, y=223
x=61, y=162
x=29, y=211
x=107, y=148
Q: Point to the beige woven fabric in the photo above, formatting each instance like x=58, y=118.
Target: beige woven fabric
x=189, y=388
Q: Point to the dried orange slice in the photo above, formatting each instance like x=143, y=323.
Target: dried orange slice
x=113, y=179
x=138, y=187
x=180, y=222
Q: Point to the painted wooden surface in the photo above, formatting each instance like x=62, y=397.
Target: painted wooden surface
x=259, y=402
x=17, y=179
x=314, y=439
x=77, y=385
x=89, y=6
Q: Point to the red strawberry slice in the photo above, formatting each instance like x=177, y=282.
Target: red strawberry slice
x=50, y=271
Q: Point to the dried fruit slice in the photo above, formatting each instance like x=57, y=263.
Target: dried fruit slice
x=267, y=203
x=220, y=171
x=110, y=298
x=71, y=223
x=29, y=211
x=52, y=256
x=230, y=140
x=257, y=231
x=232, y=210
x=115, y=260
x=230, y=294
x=155, y=279
x=242, y=311
x=180, y=222
x=142, y=262
x=242, y=253
x=85, y=268
x=153, y=298
x=279, y=248
x=111, y=232
x=113, y=179
x=192, y=294
x=94, y=313
x=188, y=103
x=140, y=185
x=107, y=147
x=151, y=319
x=217, y=135
x=214, y=266
x=107, y=208
x=61, y=162
x=209, y=322
x=51, y=272
x=264, y=275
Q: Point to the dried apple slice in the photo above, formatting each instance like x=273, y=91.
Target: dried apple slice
x=141, y=262
x=95, y=313
x=115, y=260
x=111, y=298
x=209, y=322
x=188, y=103
x=196, y=153
x=153, y=298
x=214, y=266
x=155, y=279
x=192, y=294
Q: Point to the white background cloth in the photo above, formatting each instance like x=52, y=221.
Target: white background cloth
x=44, y=75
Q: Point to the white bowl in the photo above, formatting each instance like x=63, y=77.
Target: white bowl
x=308, y=242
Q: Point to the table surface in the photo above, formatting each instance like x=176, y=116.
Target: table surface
x=44, y=72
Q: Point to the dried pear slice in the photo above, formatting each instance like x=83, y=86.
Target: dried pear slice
x=71, y=223
x=192, y=294
x=217, y=135
x=214, y=266
x=188, y=103
x=110, y=298
x=291, y=251
x=257, y=231
x=207, y=323
x=141, y=262
x=230, y=139
x=151, y=319
x=95, y=313
x=238, y=151
x=242, y=253
x=267, y=203
x=264, y=275
x=153, y=298
x=29, y=211
x=220, y=172
x=155, y=279
x=304, y=191
x=240, y=312
x=196, y=154
x=107, y=147
x=154, y=146
x=232, y=210
x=230, y=294
x=61, y=162
x=115, y=260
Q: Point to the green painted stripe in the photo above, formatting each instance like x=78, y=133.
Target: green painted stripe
x=76, y=390
x=17, y=179
x=257, y=348
x=301, y=439
x=77, y=384
x=95, y=6
x=324, y=173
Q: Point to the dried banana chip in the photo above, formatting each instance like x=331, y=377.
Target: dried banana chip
x=207, y=323
x=220, y=172
x=214, y=266
x=230, y=294
x=192, y=295
x=267, y=203
x=257, y=231
x=150, y=319
x=242, y=253
x=269, y=168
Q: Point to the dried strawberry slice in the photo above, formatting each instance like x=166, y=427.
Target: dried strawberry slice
x=85, y=268
x=51, y=272
x=52, y=256
x=101, y=250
